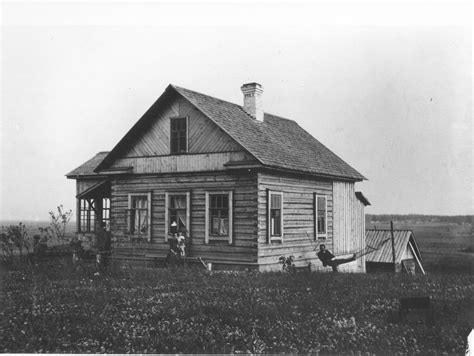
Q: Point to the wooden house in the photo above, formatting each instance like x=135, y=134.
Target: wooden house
x=246, y=187
x=407, y=254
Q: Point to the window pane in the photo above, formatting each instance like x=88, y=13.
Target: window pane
x=214, y=223
x=182, y=144
x=225, y=202
x=139, y=215
x=321, y=203
x=213, y=201
x=178, y=201
x=178, y=139
x=219, y=214
x=224, y=227
x=139, y=202
x=275, y=201
x=173, y=221
x=321, y=225
x=321, y=214
x=182, y=220
x=275, y=222
x=143, y=221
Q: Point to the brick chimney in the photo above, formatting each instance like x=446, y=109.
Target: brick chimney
x=253, y=100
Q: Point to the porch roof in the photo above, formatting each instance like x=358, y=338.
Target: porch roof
x=101, y=189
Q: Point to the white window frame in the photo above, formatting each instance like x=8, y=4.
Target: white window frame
x=90, y=229
x=320, y=236
x=271, y=238
x=188, y=211
x=209, y=237
x=142, y=194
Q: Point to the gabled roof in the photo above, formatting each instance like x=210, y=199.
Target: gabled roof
x=87, y=168
x=276, y=142
x=384, y=253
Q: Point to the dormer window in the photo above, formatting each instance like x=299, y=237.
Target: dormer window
x=178, y=135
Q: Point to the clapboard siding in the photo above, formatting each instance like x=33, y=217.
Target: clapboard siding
x=244, y=188
x=181, y=163
x=298, y=219
x=203, y=135
x=347, y=224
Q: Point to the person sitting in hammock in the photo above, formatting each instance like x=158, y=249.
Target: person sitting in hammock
x=328, y=259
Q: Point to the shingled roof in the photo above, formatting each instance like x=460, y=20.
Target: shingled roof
x=276, y=142
x=87, y=168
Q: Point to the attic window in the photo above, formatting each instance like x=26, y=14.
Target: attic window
x=178, y=135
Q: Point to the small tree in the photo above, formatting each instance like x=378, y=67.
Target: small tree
x=15, y=238
x=59, y=222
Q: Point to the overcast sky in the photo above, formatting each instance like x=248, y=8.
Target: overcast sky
x=387, y=88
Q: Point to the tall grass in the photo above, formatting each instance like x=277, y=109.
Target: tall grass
x=57, y=307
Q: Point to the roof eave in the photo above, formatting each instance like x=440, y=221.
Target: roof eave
x=84, y=176
x=315, y=174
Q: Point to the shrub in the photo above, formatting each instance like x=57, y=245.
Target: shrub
x=287, y=263
x=14, y=240
x=58, y=223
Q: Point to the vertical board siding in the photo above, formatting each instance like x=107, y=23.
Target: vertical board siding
x=203, y=134
x=244, y=191
x=298, y=219
x=349, y=224
x=181, y=163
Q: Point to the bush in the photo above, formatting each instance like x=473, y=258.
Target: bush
x=14, y=240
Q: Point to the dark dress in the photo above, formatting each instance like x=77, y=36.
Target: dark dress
x=325, y=257
x=173, y=254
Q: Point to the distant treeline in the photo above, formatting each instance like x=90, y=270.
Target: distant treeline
x=413, y=218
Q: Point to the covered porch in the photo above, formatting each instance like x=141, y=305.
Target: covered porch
x=93, y=217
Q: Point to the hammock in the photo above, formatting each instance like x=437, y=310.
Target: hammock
x=353, y=255
x=368, y=249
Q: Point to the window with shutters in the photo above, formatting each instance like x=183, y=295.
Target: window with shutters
x=177, y=213
x=139, y=215
x=320, y=216
x=219, y=216
x=275, y=215
x=178, y=135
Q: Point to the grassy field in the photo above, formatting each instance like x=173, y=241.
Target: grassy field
x=57, y=308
